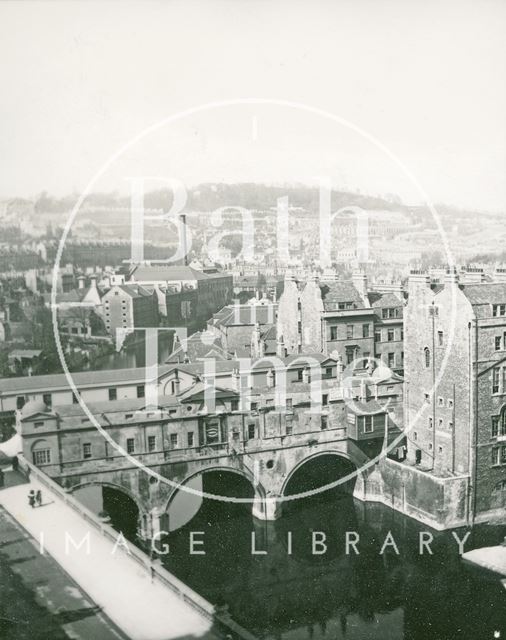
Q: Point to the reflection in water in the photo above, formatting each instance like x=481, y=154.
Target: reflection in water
x=133, y=354
x=334, y=595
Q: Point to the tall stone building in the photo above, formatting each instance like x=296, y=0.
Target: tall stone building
x=455, y=389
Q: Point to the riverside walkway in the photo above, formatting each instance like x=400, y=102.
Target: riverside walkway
x=491, y=558
x=144, y=604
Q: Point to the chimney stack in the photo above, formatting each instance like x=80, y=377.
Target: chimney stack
x=184, y=239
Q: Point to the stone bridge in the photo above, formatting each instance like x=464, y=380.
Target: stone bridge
x=268, y=467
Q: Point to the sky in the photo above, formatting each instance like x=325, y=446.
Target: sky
x=423, y=79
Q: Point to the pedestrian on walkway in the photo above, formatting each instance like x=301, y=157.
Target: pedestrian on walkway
x=38, y=497
x=31, y=498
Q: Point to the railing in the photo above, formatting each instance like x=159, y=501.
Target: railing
x=221, y=618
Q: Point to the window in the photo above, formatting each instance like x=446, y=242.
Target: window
x=440, y=338
x=87, y=450
x=191, y=437
x=289, y=403
x=418, y=456
x=450, y=403
x=42, y=456
x=497, y=343
x=415, y=435
x=391, y=336
x=234, y=405
x=440, y=402
x=20, y=402
x=324, y=422
x=368, y=424
x=440, y=423
x=328, y=372
x=130, y=445
x=333, y=333
x=495, y=380
x=141, y=391
x=426, y=398
x=349, y=331
x=440, y=449
x=430, y=423
x=299, y=375
x=499, y=425
x=350, y=353
x=38, y=424
x=151, y=443
x=391, y=360
x=113, y=394
x=325, y=399
x=426, y=352
x=254, y=405
x=365, y=331
x=384, y=314
x=251, y=431
x=430, y=446
x=498, y=310
x=289, y=428
x=173, y=440
x=377, y=336
x=499, y=455
x=402, y=334
x=47, y=400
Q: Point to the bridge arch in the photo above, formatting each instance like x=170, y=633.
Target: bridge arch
x=143, y=518
x=354, y=485
x=256, y=502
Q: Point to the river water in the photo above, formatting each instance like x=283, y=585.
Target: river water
x=335, y=596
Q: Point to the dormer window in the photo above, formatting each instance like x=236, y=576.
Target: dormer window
x=38, y=424
x=498, y=310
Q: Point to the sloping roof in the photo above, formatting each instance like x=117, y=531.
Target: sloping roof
x=134, y=290
x=197, y=347
x=387, y=300
x=80, y=378
x=163, y=273
x=335, y=292
x=485, y=293
x=245, y=315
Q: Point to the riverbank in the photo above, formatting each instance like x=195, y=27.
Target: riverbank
x=143, y=608
x=491, y=558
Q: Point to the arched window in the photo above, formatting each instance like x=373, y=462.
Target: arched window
x=426, y=352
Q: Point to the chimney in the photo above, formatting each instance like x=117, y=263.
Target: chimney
x=359, y=279
x=280, y=348
x=80, y=282
x=177, y=384
x=418, y=279
x=184, y=239
x=236, y=380
x=451, y=276
x=93, y=281
x=500, y=274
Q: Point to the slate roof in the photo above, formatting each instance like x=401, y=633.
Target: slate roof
x=163, y=273
x=80, y=378
x=335, y=292
x=387, y=300
x=245, y=315
x=486, y=293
